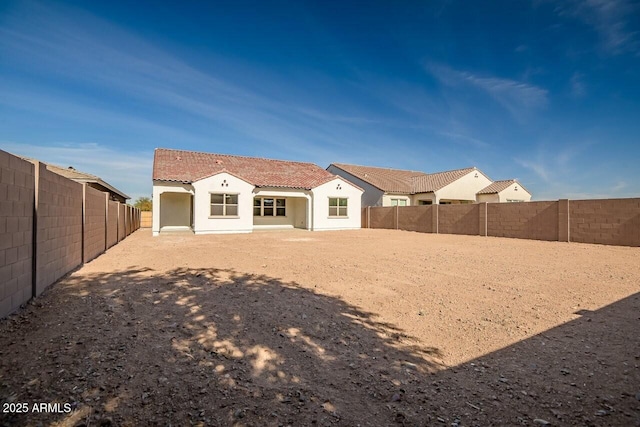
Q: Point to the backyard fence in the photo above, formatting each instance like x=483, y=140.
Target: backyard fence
x=49, y=225
x=146, y=218
x=606, y=221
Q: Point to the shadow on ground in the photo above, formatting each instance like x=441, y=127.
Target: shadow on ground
x=217, y=347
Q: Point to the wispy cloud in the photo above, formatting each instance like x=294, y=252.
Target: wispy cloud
x=539, y=168
x=130, y=172
x=513, y=95
x=578, y=87
x=612, y=20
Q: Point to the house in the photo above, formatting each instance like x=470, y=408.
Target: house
x=397, y=187
x=219, y=193
x=504, y=191
x=83, y=177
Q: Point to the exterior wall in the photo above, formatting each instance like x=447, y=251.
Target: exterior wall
x=464, y=188
x=59, y=228
x=372, y=196
x=423, y=196
x=386, y=199
x=610, y=222
x=488, y=198
x=17, y=190
x=296, y=202
x=159, y=188
x=94, y=223
x=222, y=183
x=122, y=218
x=176, y=210
x=535, y=220
x=336, y=188
x=300, y=216
x=458, y=219
x=416, y=218
x=514, y=192
x=383, y=217
x=112, y=223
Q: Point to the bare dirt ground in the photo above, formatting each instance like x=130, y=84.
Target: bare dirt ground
x=370, y=327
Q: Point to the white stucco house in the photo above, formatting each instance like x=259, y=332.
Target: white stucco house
x=397, y=187
x=218, y=193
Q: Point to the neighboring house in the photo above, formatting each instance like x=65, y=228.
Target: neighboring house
x=82, y=177
x=397, y=187
x=504, y=191
x=219, y=193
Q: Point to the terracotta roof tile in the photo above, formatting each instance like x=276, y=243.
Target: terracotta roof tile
x=498, y=186
x=190, y=166
x=403, y=181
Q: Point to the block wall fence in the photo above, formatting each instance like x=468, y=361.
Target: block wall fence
x=606, y=221
x=50, y=225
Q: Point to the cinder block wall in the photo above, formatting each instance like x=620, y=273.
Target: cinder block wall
x=122, y=229
x=416, y=218
x=383, y=217
x=458, y=219
x=532, y=220
x=607, y=221
x=611, y=222
x=94, y=223
x=112, y=223
x=59, y=228
x=16, y=231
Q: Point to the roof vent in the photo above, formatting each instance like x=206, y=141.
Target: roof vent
x=71, y=168
x=218, y=162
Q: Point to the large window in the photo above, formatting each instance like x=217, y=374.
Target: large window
x=268, y=206
x=398, y=202
x=223, y=204
x=337, y=207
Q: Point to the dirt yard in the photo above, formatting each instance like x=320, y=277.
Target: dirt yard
x=370, y=327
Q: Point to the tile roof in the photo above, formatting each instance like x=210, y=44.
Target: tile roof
x=75, y=175
x=498, y=186
x=191, y=166
x=403, y=181
x=435, y=181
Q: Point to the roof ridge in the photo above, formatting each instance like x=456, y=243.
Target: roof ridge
x=235, y=155
x=378, y=167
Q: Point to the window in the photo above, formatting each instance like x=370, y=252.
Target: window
x=268, y=206
x=425, y=202
x=398, y=202
x=514, y=201
x=224, y=204
x=337, y=207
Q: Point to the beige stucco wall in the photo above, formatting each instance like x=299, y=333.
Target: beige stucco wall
x=488, y=198
x=176, y=210
x=386, y=199
x=336, y=188
x=464, y=188
x=222, y=183
x=415, y=200
x=510, y=193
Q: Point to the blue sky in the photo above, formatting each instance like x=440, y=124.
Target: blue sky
x=547, y=92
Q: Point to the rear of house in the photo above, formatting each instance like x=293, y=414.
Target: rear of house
x=217, y=193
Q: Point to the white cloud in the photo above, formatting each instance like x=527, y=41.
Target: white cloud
x=610, y=18
x=513, y=95
x=538, y=168
x=129, y=172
